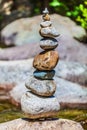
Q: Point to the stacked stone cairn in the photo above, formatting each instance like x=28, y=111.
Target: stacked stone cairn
x=39, y=101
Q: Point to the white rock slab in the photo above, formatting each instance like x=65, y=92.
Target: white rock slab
x=24, y=124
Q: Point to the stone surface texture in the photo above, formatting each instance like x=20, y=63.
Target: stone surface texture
x=44, y=74
x=25, y=32
x=37, y=107
x=46, y=17
x=46, y=60
x=41, y=87
x=69, y=95
x=46, y=24
x=49, y=43
x=27, y=36
x=39, y=101
x=49, y=32
x=24, y=124
x=14, y=74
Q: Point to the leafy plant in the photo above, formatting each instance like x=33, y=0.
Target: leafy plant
x=82, y=19
x=76, y=10
x=58, y=6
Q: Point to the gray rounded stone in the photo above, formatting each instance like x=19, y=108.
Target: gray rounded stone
x=48, y=43
x=38, y=107
x=49, y=32
x=41, y=87
x=46, y=24
x=44, y=74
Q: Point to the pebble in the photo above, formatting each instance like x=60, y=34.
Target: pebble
x=41, y=87
x=44, y=74
x=46, y=17
x=36, y=107
x=49, y=32
x=48, y=43
x=45, y=11
x=46, y=24
x=46, y=60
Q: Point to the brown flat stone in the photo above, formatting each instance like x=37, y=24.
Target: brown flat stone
x=42, y=115
x=46, y=60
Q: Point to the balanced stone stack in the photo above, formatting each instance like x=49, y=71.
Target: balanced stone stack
x=39, y=101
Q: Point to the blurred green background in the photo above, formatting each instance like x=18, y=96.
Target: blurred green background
x=14, y=9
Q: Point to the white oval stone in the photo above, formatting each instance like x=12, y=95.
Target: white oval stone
x=38, y=107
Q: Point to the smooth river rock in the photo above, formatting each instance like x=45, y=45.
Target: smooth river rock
x=41, y=87
x=24, y=31
x=56, y=124
x=46, y=60
x=49, y=32
x=44, y=74
x=45, y=24
x=36, y=107
x=46, y=17
x=48, y=43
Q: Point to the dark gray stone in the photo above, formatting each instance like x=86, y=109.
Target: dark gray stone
x=44, y=74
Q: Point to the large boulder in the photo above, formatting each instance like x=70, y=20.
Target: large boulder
x=25, y=30
x=13, y=72
x=68, y=50
x=25, y=124
x=71, y=95
x=72, y=71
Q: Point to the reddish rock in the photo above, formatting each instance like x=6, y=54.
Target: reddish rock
x=4, y=91
x=46, y=60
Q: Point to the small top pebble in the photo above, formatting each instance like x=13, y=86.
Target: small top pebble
x=46, y=11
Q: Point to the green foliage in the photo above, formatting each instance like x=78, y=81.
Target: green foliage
x=76, y=10
x=58, y=6
x=82, y=19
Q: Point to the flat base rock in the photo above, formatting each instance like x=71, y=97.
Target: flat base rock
x=41, y=87
x=38, y=107
x=49, y=32
x=56, y=124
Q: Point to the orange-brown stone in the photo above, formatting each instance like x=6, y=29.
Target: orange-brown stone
x=46, y=17
x=46, y=60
